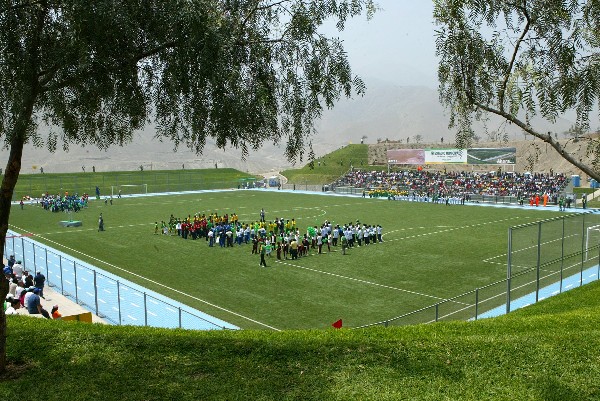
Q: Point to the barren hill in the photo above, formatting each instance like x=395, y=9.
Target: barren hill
x=387, y=112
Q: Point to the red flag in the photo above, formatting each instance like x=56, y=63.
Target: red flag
x=338, y=324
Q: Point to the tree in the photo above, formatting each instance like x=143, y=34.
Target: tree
x=243, y=72
x=575, y=132
x=518, y=59
x=418, y=138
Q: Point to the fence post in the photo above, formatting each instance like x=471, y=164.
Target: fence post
x=508, y=270
x=582, y=250
x=119, y=300
x=437, y=312
x=539, y=260
x=476, y=302
x=23, y=252
x=386, y=323
x=75, y=271
x=562, y=255
x=180, y=317
x=47, y=270
x=96, y=293
x=62, y=288
x=145, y=311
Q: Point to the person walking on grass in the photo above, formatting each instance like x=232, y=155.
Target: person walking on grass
x=100, y=223
x=263, y=251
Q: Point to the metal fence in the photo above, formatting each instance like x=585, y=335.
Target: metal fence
x=543, y=253
x=114, y=299
x=544, y=258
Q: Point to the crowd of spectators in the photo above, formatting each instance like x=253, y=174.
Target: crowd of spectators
x=457, y=184
x=25, y=291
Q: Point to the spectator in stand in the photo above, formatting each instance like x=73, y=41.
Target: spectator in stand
x=12, y=288
x=7, y=271
x=25, y=295
x=17, y=269
x=55, y=313
x=27, y=279
x=13, y=305
x=19, y=289
x=34, y=306
x=11, y=261
x=441, y=186
x=38, y=281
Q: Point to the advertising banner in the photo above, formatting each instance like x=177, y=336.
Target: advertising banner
x=453, y=156
x=406, y=156
x=445, y=156
x=492, y=156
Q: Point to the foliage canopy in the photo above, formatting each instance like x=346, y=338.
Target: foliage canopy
x=243, y=72
x=519, y=59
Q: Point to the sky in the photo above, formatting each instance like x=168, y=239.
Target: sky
x=396, y=45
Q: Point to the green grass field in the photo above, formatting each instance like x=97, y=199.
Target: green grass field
x=128, y=181
x=430, y=253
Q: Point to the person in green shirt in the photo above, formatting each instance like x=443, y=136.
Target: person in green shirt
x=263, y=251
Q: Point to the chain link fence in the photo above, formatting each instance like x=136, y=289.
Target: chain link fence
x=544, y=258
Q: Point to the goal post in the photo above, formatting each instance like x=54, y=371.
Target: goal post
x=592, y=239
x=128, y=189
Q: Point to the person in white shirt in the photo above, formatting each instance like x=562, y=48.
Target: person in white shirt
x=14, y=304
x=18, y=270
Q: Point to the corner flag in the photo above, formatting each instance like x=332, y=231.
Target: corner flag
x=338, y=324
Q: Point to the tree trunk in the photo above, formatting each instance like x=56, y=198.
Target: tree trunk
x=11, y=175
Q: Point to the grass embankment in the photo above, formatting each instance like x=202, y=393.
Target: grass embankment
x=156, y=180
x=548, y=351
x=332, y=166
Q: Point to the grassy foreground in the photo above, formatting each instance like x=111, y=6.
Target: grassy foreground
x=549, y=351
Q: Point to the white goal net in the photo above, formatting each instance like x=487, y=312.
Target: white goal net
x=592, y=242
x=128, y=189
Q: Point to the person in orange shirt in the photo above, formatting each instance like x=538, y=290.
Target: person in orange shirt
x=55, y=313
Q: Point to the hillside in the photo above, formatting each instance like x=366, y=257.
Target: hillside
x=547, y=351
x=387, y=111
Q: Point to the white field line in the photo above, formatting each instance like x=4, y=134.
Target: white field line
x=359, y=280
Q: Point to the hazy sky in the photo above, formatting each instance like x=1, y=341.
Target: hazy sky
x=397, y=45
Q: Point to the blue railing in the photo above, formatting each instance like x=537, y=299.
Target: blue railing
x=110, y=297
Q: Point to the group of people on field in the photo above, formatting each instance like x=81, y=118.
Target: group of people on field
x=63, y=203
x=294, y=244
x=280, y=236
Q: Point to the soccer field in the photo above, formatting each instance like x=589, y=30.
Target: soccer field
x=430, y=253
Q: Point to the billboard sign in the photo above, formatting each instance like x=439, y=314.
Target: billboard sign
x=492, y=156
x=453, y=156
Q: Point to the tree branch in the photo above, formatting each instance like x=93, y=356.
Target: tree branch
x=513, y=58
x=89, y=73
x=544, y=137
